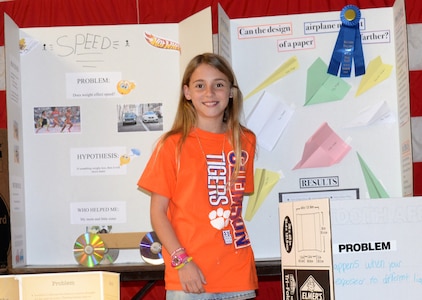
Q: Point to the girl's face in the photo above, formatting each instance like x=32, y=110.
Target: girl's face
x=209, y=90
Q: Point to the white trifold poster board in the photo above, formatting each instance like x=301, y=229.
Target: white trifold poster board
x=375, y=254
x=316, y=131
x=77, y=152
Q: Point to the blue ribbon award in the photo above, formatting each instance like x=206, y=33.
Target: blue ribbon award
x=348, y=47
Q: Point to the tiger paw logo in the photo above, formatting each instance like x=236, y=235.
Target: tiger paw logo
x=219, y=218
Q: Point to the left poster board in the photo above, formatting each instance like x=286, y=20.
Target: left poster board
x=85, y=106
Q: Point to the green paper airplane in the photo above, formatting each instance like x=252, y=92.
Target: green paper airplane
x=375, y=188
x=322, y=87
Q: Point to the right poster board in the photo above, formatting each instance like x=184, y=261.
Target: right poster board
x=374, y=246
x=316, y=131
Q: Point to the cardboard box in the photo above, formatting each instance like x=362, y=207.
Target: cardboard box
x=307, y=266
x=9, y=287
x=74, y=285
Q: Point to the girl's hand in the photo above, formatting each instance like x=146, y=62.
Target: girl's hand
x=192, y=279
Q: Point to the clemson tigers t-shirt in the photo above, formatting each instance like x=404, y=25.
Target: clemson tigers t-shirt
x=205, y=208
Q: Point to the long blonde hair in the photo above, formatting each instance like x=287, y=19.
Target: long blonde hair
x=186, y=117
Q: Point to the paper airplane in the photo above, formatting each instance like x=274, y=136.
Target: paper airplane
x=268, y=119
x=376, y=72
x=322, y=87
x=289, y=66
x=264, y=181
x=375, y=188
x=378, y=113
x=323, y=149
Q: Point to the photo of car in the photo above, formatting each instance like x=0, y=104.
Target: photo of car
x=149, y=116
x=129, y=118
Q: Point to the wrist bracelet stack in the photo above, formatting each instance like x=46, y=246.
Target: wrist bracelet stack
x=179, y=258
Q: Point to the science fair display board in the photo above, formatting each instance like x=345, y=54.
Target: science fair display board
x=321, y=134
x=85, y=108
x=353, y=249
x=108, y=92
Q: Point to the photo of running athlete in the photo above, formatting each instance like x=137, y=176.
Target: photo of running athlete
x=57, y=119
x=68, y=120
x=43, y=121
x=55, y=115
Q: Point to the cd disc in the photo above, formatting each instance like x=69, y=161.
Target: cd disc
x=110, y=256
x=89, y=249
x=150, y=248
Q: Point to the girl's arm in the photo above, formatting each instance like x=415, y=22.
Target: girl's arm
x=161, y=224
x=190, y=275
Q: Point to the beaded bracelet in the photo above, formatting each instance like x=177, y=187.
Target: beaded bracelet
x=177, y=250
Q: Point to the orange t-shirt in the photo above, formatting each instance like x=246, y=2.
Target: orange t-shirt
x=205, y=213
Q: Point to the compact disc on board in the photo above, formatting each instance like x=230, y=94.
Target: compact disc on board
x=110, y=256
x=89, y=249
x=150, y=248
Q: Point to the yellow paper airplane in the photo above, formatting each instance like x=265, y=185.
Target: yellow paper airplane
x=289, y=66
x=376, y=72
x=264, y=181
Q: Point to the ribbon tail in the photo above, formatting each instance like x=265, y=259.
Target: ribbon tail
x=359, y=59
x=348, y=50
x=336, y=57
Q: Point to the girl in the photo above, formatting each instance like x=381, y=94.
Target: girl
x=197, y=176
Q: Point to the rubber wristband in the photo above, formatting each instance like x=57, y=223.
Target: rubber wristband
x=188, y=260
x=178, y=259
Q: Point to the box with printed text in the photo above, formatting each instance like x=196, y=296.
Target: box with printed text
x=74, y=285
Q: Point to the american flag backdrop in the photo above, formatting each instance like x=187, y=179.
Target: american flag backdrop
x=415, y=81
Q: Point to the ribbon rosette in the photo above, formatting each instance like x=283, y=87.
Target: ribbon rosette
x=348, y=47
